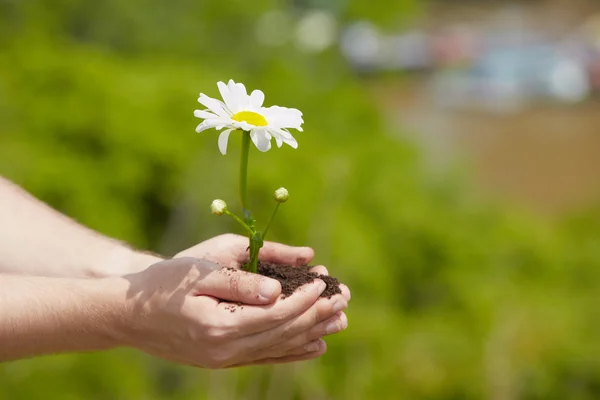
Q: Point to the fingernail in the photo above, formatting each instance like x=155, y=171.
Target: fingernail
x=344, y=320
x=313, y=346
x=345, y=288
x=268, y=288
x=339, y=305
x=333, y=327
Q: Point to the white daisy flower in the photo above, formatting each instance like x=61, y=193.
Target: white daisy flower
x=246, y=112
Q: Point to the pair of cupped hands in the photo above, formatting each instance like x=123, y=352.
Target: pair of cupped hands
x=199, y=308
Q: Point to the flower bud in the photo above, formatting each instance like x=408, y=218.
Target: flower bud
x=218, y=207
x=281, y=195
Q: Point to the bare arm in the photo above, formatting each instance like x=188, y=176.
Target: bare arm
x=41, y=315
x=37, y=240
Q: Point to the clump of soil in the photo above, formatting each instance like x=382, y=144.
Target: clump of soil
x=291, y=278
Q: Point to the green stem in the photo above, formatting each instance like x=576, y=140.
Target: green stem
x=244, y=168
x=256, y=242
x=270, y=220
x=238, y=219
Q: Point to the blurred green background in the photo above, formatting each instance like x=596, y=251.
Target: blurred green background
x=455, y=295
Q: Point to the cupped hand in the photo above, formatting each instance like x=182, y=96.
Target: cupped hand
x=231, y=251
x=173, y=310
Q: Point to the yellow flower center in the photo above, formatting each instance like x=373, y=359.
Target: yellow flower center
x=250, y=117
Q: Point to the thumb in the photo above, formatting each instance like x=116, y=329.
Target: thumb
x=284, y=254
x=239, y=286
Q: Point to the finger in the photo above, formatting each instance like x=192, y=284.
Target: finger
x=283, y=254
x=322, y=349
x=320, y=269
x=345, y=292
x=254, y=319
x=309, y=347
x=335, y=324
x=322, y=310
x=239, y=286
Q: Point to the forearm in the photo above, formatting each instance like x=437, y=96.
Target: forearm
x=40, y=315
x=37, y=240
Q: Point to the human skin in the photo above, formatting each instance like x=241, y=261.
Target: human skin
x=37, y=240
x=176, y=309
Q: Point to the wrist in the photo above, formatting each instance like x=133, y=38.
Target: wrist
x=123, y=260
x=112, y=296
x=140, y=260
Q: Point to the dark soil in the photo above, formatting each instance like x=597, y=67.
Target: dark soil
x=291, y=278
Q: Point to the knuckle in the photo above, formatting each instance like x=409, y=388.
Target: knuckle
x=336, y=304
x=220, y=330
x=219, y=358
x=216, y=334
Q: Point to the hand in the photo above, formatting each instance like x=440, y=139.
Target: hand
x=230, y=251
x=173, y=311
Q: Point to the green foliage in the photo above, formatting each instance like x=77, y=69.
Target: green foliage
x=452, y=299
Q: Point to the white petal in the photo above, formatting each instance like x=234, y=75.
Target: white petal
x=242, y=125
x=239, y=95
x=282, y=117
x=261, y=139
x=202, y=127
x=214, y=105
x=257, y=97
x=282, y=136
x=204, y=114
x=224, y=124
x=237, y=89
x=223, y=138
x=211, y=123
x=283, y=133
x=292, y=143
x=287, y=133
x=228, y=97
